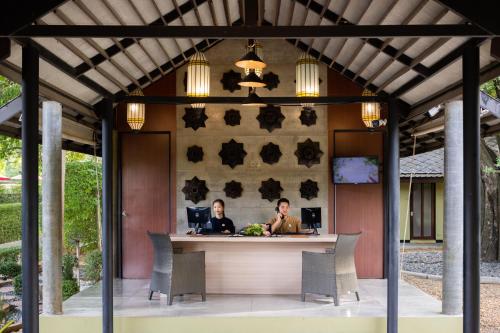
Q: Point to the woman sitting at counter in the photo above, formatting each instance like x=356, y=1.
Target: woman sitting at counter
x=219, y=223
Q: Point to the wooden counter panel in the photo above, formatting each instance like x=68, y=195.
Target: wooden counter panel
x=254, y=265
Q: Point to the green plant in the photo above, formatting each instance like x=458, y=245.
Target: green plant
x=93, y=266
x=68, y=262
x=9, y=269
x=18, y=284
x=10, y=253
x=254, y=230
x=10, y=222
x=80, y=204
x=69, y=288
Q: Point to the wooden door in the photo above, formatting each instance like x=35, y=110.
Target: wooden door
x=145, y=162
x=422, y=211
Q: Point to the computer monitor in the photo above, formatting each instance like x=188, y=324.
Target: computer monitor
x=198, y=217
x=311, y=218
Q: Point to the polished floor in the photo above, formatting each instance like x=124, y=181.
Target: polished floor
x=130, y=300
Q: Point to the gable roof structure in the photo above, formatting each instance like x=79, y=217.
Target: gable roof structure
x=420, y=71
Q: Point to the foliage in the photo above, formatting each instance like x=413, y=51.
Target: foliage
x=18, y=284
x=80, y=203
x=10, y=194
x=9, y=269
x=93, y=266
x=10, y=253
x=254, y=230
x=492, y=87
x=68, y=262
x=10, y=148
x=10, y=222
x=69, y=288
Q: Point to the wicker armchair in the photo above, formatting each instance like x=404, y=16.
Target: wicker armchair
x=332, y=273
x=176, y=273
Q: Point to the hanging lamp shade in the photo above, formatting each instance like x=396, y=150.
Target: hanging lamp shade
x=306, y=77
x=250, y=61
x=370, y=111
x=198, y=78
x=136, y=112
x=259, y=51
x=253, y=99
x=252, y=80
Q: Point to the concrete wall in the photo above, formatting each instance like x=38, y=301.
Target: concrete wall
x=250, y=208
x=439, y=210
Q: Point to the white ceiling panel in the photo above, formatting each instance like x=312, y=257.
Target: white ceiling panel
x=97, y=77
x=450, y=74
x=113, y=71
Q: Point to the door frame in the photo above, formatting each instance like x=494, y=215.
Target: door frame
x=119, y=228
x=433, y=211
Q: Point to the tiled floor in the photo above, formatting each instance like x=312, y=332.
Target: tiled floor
x=130, y=300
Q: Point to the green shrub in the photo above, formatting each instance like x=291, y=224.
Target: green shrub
x=68, y=263
x=80, y=204
x=93, y=266
x=69, y=288
x=9, y=269
x=10, y=222
x=18, y=285
x=10, y=254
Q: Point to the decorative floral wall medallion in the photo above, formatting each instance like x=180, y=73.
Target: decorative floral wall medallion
x=195, y=154
x=308, y=153
x=308, y=116
x=270, y=153
x=270, y=189
x=232, y=117
x=194, y=118
x=195, y=190
x=230, y=81
x=233, y=189
x=272, y=80
x=309, y=189
x=232, y=153
x=270, y=117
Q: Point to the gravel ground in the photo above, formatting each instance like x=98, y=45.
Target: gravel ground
x=490, y=300
x=431, y=262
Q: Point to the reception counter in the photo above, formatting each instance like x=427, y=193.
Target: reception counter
x=254, y=265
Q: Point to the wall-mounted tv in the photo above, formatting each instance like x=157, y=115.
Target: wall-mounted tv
x=355, y=170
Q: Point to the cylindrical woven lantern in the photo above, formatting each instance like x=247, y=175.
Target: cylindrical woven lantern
x=307, y=76
x=198, y=78
x=259, y=51
x=136, y=112
x=370, y=111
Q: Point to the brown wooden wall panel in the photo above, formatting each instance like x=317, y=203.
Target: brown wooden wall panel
x=355, y=208
x=145, y=198
x=159, y=118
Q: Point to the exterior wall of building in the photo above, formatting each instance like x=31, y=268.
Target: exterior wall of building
x=250, y=207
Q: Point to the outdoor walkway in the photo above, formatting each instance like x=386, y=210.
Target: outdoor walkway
x=131, y=300
x=251, y=313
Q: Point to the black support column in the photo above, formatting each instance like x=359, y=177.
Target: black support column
x=393, y=213
x=106, y=107
x=30, y=189
x=472, y=194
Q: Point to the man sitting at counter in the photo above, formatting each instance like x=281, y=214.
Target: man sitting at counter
x=283, y=223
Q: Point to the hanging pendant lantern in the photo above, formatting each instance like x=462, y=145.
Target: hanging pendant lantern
x=253, y=99
x=370, y=111
x=252, y=80
x=198, y=78
x=136, y=112
x=307, y=77
x=251, y=60
x=259, y=51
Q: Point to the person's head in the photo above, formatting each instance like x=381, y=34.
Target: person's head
x=218, y=207
x=283, y=206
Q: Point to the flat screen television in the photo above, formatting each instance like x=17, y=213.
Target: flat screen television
x=356, y=170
